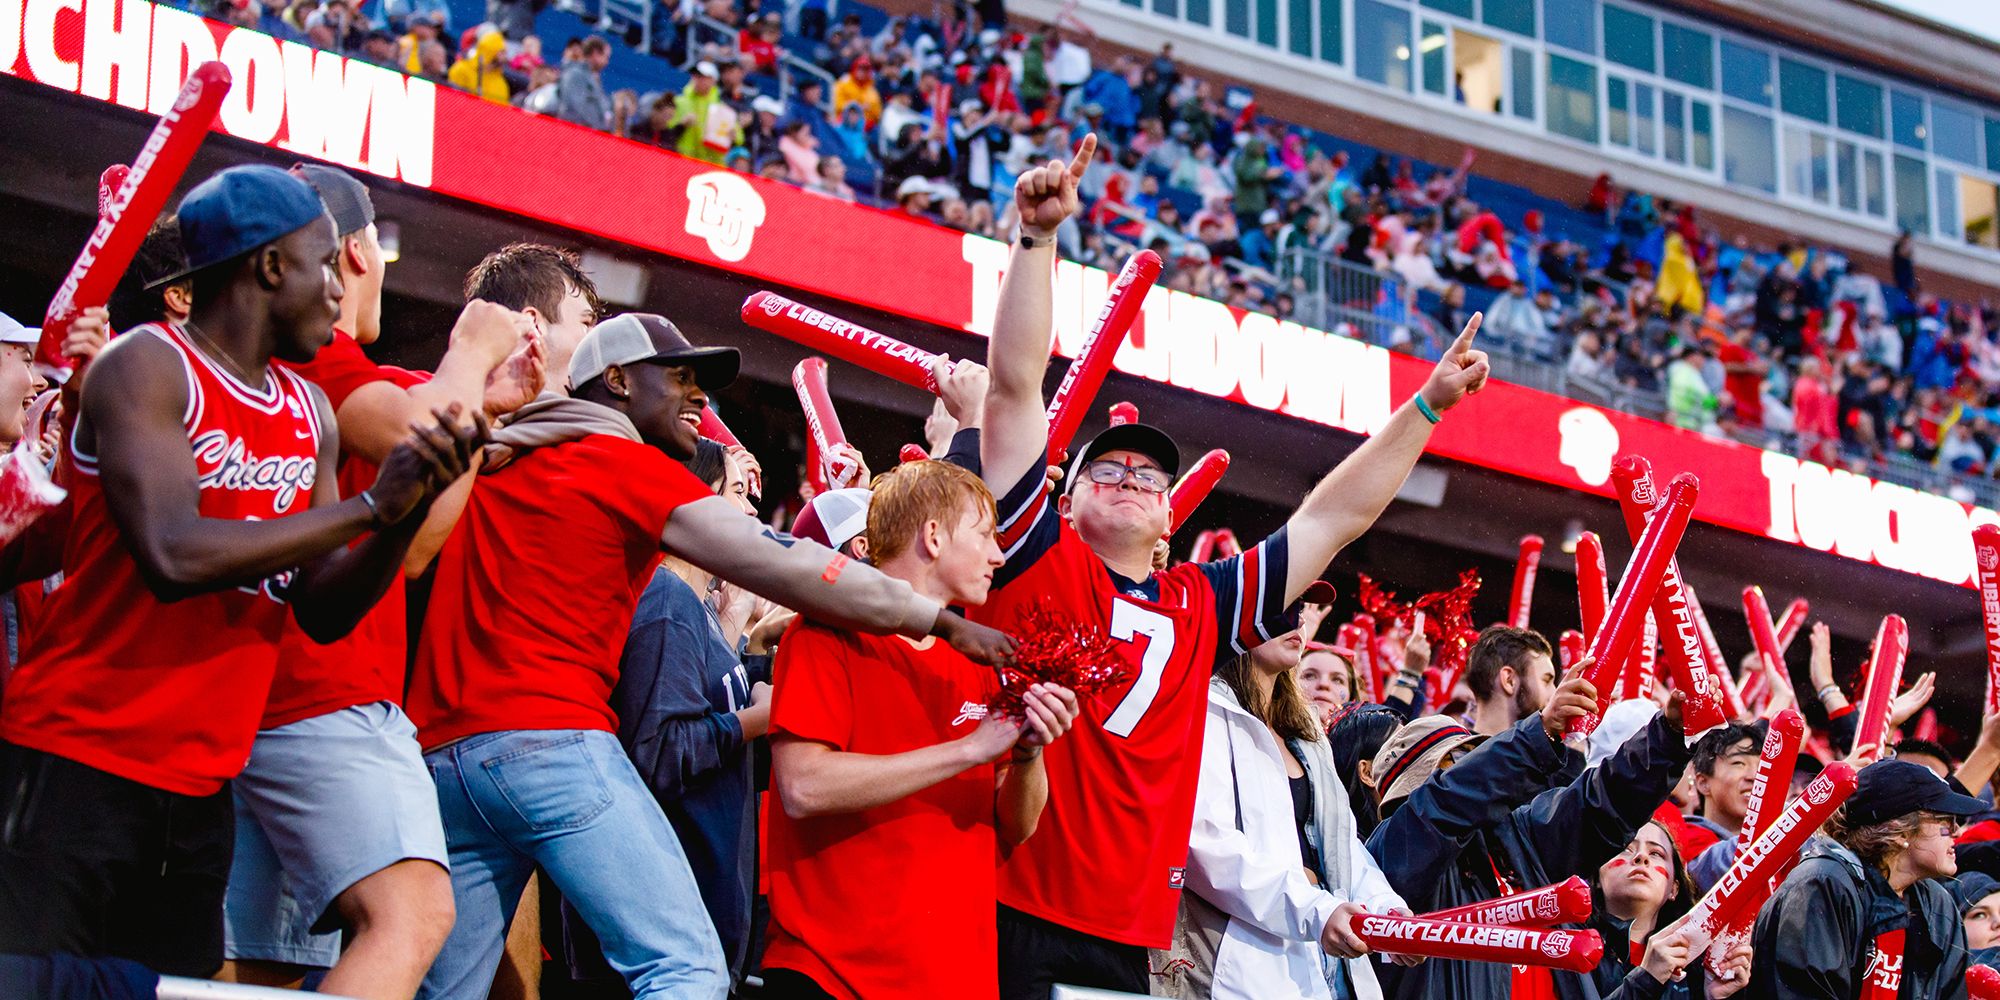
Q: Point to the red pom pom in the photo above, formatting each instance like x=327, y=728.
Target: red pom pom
x=1447, y=624
x=1053, y=649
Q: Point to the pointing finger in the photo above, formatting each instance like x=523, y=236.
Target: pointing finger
x=1083, y=156
x=1464, y=341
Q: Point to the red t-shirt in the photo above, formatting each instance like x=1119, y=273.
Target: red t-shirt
x=368, y=664
x=1110, y=853
x=168, y=693
x=924, y=864
x=536, y=588
x=1747, y=390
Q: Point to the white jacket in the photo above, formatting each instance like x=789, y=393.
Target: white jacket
x=1270, y=949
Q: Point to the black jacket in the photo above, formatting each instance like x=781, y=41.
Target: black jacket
x=1814, y=939
x=1507, y=805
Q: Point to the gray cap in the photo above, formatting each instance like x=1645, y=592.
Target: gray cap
x=346, y=199
x=632, y=337
x=1412, y=754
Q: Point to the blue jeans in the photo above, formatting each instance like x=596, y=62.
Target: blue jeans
x=569, y=801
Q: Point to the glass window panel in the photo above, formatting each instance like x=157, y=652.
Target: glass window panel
x=1701, y=130
x=1847, y=175
x=1822, y=168
x=1798, y=165
x=1874, y=192
x=1332, y=39
x=1299, y=30
x=1858, y=104
x=1746, y=73
x=1748, y=154
x=1167, y=8
x=1628, y=38
x=1436, y=64
x=1236, y=17
x=1523, y=83
x=1802, y=90
x=1571, y=24
x=1267, y=22
x=1906, y=119
x=1993, y=144
x=1462, y=8
x=1687, y=55
x=1517, y=16
x=1572, y=99
x=1382, y=43
x=1978, y=203
x=1673, y=127
x=1617, y=111
x=1642, y=118
x=1913, y=202
x=1198, y=12
x=1947, y=204
x=1955, y=132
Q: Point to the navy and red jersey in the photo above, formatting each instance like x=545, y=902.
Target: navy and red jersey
x=169, y=694
x=1109, y=854
x=366, y=665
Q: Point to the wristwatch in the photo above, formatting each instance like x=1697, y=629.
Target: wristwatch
x=1035, y=243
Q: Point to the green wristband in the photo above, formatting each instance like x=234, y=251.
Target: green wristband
x=1425, y=408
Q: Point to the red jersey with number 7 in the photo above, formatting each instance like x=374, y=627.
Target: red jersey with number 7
x=1109, y=855
x=168, y=694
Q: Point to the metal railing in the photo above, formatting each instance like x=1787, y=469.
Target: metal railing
x=1378, y=306
x=705, y=30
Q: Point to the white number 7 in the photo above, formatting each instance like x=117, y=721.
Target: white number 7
x=1128, y=622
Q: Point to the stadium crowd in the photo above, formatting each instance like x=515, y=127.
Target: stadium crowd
x=1787, y=346
x=224, y=748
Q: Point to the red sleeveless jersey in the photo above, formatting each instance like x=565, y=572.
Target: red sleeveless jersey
x=1109, y=855
x=168, y=694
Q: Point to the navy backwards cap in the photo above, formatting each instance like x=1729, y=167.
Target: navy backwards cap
x=238, y=210
x=1890, y=789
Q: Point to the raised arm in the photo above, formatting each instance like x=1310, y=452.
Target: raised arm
x=1016, y=435
x=376, y=417
x=815, y=580
x=1355, y=493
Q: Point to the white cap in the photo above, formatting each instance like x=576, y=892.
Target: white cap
x=766, y=102
x=914, y=185
x=833, y=518
x=706, y=68
x=12, y=331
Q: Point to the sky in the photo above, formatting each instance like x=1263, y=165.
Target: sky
x=1976, y=16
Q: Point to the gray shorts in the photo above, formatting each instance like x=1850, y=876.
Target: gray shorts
x=324, y=803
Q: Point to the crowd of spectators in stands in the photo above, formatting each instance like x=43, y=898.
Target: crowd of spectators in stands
x=1784, y=346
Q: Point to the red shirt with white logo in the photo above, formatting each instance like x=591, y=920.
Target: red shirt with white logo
x=894, y=901
x=1883, y=979
x=536, y=588
x=169, y=694
x=367, y=665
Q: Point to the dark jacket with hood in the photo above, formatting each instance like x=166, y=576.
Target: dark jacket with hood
x=1496, y=808
x=1815, y=938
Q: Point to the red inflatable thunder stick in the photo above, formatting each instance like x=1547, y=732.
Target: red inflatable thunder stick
x=1637, y=680
x=1593, y=588
x=1747, y=883
x=1194, y=487
x=1566, y=902
x=1982, y=982
x=1525, y=566
x=1795, y=619
x=108, y=184
x=1123, y=413
x=1571, y=645
x=1574, y=951
x=1644, y=575
x=715, y=430
x=1775, y=763
x=823, y=424
x=1093, y=361
x=125, y=218
x=1758, y=687
x=1885, y=676
x=837, y=338
x=1986, y=557
x=911, y=453
x=1356, y=638
x=1632, y=478
x=1711, y=654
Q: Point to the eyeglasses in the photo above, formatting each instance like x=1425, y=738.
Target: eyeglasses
x=1145, y=477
